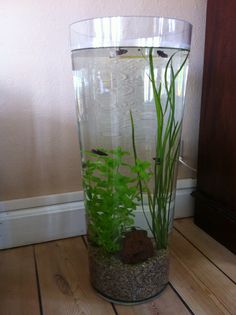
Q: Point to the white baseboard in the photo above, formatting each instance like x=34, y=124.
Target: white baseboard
x=41, y=201
x=40, y=219
x=41, y=224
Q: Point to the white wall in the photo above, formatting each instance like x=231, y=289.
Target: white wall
x=38, y=136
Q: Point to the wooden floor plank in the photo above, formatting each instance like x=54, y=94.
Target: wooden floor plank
x=64, y=280
x=202, y=285
x=217, y=253
x=193, y=292
x=18, y=285
x=195, y=273
x=168, y=303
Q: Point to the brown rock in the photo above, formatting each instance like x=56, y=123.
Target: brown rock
x=137, y=247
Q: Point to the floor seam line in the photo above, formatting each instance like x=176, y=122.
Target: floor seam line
x=84, y=241
x=86, y=245
x=205, y=255
x=38, y=283
x=180, y=297
x=114, y=309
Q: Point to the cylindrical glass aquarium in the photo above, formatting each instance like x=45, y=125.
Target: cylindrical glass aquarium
x=130, y=77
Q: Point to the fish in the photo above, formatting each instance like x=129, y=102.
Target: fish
x=162, y=54
x=99, y=152
x=118, y=52
x=157, y=160
x=121, y=51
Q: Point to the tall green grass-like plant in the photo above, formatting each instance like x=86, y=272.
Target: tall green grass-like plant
x=167, y=149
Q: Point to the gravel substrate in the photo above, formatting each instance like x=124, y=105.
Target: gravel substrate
x=126, y=283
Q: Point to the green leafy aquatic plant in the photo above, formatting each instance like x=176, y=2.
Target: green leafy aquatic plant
x=167, y=149
x=111, y=196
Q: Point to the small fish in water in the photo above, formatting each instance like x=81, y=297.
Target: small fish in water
x=117, y=52
x=157, y=160
x=162, y=54
x=99, y=152
x=121, y=51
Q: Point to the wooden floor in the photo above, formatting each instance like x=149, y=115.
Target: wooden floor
x=53, y=279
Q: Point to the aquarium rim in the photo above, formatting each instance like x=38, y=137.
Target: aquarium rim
x=98, y=33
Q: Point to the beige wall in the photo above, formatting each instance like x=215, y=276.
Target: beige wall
x=39, y=152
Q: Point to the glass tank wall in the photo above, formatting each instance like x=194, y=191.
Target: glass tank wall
x=130, y=76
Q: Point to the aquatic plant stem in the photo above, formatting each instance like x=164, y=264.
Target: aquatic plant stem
x=139, y=181
x=167, y=149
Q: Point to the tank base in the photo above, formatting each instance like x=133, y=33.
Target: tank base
x=108, y=299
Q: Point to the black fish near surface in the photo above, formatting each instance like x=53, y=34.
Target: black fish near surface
x=162, y=54
x=117, y=52
x=121, y=51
